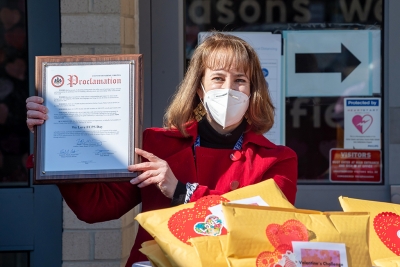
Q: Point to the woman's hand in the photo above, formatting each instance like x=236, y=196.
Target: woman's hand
x=155, y=171
x=36, y=112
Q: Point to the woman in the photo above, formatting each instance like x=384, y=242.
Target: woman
x=212, y=142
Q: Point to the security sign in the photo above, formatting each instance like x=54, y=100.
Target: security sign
x=355, y=165
x=331, y=63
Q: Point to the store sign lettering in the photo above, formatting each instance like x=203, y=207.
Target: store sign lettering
x=299, y=111
x=202, y=12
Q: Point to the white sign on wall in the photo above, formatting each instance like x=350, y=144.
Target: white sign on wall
x=332, y=62
x=362, y=123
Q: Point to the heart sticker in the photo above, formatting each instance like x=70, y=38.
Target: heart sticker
x=362, y=123
x=291, y=230
x=212, y=226
x=182, y=223
x=387, y=227
x=270, y=258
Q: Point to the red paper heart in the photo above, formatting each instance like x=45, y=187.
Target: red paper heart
x=16, y=69
x=181, y=224
x=270, y=258
x=387, y=227
x=291, y=230
x=9, y=17
x=16, y=37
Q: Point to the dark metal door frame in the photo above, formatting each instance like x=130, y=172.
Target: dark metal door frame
x=31, y=217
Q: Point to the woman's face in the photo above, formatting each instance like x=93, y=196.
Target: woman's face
x=235, y=79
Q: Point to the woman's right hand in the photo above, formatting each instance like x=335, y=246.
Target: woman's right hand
x=36, y=113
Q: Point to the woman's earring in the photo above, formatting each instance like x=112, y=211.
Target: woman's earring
x=199, y=111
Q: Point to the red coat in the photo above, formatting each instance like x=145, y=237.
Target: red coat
x=214, y=170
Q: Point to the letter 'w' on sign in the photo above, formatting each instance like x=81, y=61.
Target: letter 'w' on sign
x=344, y=62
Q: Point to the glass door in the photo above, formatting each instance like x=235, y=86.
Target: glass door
x=31, y=216
x=314, y=124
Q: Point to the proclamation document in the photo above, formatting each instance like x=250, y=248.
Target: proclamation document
x=90, y=131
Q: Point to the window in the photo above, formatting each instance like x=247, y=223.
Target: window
x=336, y=137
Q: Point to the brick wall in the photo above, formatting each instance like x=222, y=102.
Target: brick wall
x=106, y=244
x=98, y=27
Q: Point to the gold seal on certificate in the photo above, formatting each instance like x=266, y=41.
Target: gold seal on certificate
x=94, y=117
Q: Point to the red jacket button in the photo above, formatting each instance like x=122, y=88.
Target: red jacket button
x=235, y=156
x=234, y=185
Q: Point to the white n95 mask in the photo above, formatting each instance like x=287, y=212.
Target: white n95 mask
x=225, y=106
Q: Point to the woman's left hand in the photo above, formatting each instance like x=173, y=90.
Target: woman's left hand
x=155, y=171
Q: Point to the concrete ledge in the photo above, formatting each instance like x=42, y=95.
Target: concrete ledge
x=71, y=222
x=90, y=29
x=106, y=6
x=107, y=245
x=76, y=246
x=128, y=31
x=78, y=49
x=74, y=6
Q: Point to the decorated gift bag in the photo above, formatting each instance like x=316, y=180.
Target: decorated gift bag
x=211, y=250
x=269, y=237
x=384, y=225
x=173, y=227
x=155, y=255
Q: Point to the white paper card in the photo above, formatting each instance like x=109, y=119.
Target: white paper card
x=320, y=254
x=87, y=114
x=256, y=201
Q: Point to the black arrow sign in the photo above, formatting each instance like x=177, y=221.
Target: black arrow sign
x=344, y=62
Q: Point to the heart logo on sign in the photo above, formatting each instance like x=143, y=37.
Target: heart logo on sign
x=182, y=224
x=291, y=230
x=387, y=227
x=362, y=123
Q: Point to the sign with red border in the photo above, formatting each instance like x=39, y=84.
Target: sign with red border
x=355, y=166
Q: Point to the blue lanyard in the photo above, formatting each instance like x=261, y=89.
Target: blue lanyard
x=238, y=145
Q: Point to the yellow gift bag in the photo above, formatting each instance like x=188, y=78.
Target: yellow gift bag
x=211, y=250
x=155, y=255
x=173, y=227
x=263, y=236
x=384, y=225
x=388, y=262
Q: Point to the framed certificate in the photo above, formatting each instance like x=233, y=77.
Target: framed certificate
x=95, y=107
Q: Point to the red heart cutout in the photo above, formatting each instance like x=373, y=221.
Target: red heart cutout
x=387, y=227
x=270, y=258
x=3, y=113
x=181, y=224
x=16, y=69
x=16, y=38
x=291, y=230
x=9, y=17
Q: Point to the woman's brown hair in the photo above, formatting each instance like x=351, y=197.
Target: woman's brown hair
x=222, y=51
